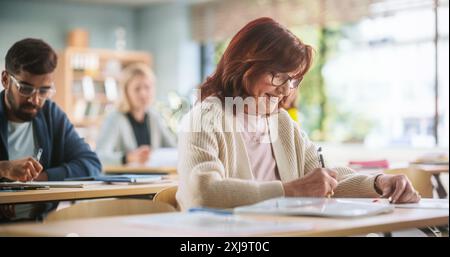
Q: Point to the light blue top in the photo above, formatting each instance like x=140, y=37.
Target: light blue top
x=21, y=144
x=21, y=141
x=116, y=136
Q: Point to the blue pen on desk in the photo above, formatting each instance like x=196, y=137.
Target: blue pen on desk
x=211, y=210
x=322, y=165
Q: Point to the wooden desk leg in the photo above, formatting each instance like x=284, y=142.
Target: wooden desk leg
x=440, y=189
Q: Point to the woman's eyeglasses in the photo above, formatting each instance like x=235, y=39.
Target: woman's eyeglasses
x=26, y=90
x=280, y=79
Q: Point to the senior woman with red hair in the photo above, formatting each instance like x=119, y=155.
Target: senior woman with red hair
x=251, y=150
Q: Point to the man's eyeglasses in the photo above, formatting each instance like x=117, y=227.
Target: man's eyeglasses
x=26, y=90
x=280, y=79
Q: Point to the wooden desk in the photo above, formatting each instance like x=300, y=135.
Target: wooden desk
x=138, y=170
x=121, y=226
x=435, y=170
x=432, y=168
x=88, y=192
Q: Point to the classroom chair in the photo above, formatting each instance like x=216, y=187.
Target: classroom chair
x=167, y=195
x=420, y=179
x=104, y=208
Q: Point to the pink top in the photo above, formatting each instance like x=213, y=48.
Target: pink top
x=259, y=149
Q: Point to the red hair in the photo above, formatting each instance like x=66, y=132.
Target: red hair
x=263, y=45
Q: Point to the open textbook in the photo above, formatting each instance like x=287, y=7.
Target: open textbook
x=308, y=206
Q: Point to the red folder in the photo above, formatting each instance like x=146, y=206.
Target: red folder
x=369, y=164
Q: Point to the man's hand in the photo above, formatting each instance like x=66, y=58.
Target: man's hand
x=43, y=176
x=23, y=169
x=318, y=183
x=398, y=188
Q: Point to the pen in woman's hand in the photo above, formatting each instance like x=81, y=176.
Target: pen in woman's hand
x=321, y=162
x=322, y=165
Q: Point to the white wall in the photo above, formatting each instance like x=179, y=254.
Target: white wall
x=51, y=21
x=164, y=30
x=161, y=29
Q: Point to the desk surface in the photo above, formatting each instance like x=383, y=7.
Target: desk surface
x=121, y=226
x=138, y=170
x=91, y=191
x=432, y=168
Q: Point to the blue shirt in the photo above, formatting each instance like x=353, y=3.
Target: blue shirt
x=65, y=154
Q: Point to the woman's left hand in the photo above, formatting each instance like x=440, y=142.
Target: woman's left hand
x=398, y=188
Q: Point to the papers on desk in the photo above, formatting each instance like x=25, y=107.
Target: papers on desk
x=89, y=181
x=126, y=178
x=132, y=179
x=425, y=204
x=210, y=224
x=54, y=184
x=163, y=157
x=14, y=188
x=308, y=206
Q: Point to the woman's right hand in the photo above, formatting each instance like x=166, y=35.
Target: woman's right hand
x=140, y=155
x=318, y=183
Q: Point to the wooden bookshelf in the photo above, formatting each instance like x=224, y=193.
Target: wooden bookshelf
x=87, y=84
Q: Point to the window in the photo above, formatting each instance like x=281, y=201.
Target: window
x=381, y=80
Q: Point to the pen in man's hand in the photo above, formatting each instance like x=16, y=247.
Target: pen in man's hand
x=39, y=154
x=38, y=157
x=322, y=165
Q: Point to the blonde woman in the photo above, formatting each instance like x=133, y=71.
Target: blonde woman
x=129, y=134
x=223, y=167
x=289, y=104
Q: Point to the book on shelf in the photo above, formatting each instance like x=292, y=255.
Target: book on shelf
x=87, y=111
x=94, y=110
x=88, y=88
x=79, y=109
x=99, y=88
x=111, y=89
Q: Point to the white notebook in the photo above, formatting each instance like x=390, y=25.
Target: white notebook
x=424, y=203
x=308, y=206
x=55, y=184
x=211, y=224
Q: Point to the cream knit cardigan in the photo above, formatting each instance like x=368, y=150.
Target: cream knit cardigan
x=214, y=169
